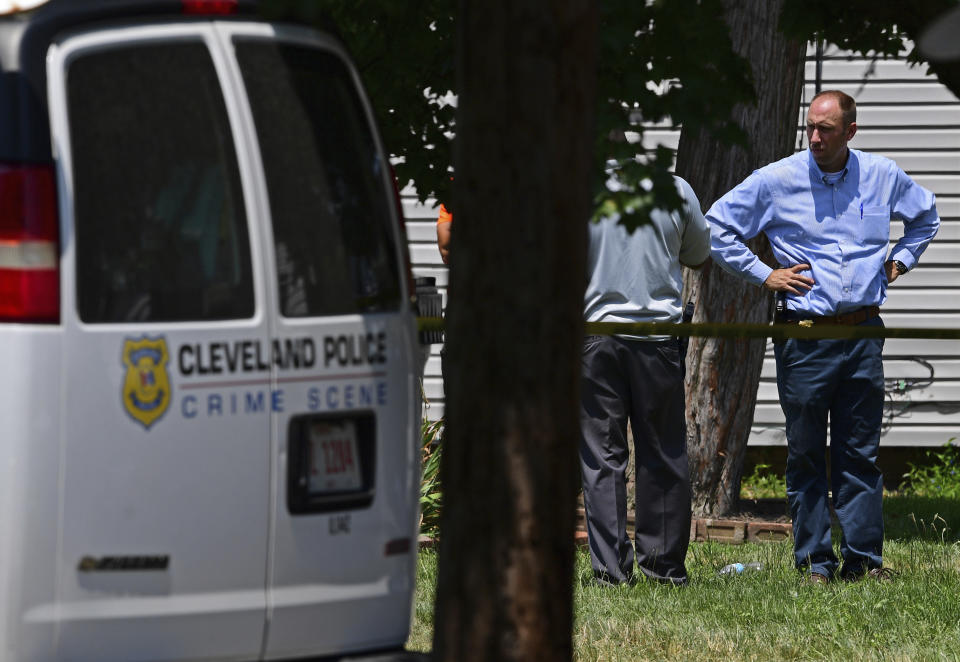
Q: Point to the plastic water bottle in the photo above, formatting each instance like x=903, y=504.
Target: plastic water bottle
x=740, y=568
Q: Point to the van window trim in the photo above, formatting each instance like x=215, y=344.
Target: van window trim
x=285, y=33
x=62, y=53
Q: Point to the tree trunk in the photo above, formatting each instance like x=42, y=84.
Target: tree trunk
x=723, y=375
x=515, y=329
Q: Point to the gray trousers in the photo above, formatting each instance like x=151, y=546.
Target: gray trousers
x=643, y=381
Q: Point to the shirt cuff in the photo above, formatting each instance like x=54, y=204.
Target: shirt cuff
x=904, y=256
x=759, y=273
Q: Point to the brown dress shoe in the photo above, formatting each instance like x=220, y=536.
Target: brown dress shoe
x=878, y=574
x=817, y=578
x=881, y=574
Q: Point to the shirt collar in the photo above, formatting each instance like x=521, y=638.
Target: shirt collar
x=822, y=176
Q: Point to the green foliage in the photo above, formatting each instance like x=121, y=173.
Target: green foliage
x=863, y=26
x=431, y=496
x=660, y=61
x=939, y=476
x=657, y=60
x=858, y=25
x=763, y=484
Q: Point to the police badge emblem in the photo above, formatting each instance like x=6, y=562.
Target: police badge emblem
x=146, y=387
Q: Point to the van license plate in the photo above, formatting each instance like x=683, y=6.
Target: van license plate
x=334, y=457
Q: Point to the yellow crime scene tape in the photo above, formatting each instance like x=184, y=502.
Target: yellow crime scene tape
x=731, y=330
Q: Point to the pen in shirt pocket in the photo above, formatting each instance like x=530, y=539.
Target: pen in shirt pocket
x=861, y=211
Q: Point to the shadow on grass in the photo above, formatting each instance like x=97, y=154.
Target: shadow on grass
x=925, y=518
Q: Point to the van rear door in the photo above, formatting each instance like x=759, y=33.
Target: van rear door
x=345, y=505
x=168, y=378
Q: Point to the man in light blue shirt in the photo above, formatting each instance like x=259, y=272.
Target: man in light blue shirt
x=826, y=212
x=636, y=277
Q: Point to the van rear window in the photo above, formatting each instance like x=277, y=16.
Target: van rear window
x=335, y=249
x=161, y=232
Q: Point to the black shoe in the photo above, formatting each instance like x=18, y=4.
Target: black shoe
x=604, y=580
x=673, y=581
x=603, y=583
x=645, y=575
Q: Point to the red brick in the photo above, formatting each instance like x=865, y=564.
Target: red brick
x=768, y=531
x=721, y=530
x=580, y=538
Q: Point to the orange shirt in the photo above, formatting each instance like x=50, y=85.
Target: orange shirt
x=444, y=216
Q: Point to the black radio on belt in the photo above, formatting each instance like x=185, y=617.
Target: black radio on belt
x=780, y=312
x=685, y=340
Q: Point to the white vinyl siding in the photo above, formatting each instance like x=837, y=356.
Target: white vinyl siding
x=421, y=222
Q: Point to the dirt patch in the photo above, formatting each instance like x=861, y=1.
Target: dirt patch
x=763, y=510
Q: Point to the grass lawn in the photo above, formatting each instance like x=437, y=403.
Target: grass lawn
x=771, y=614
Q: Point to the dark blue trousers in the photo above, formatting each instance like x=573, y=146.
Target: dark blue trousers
x=842, y=380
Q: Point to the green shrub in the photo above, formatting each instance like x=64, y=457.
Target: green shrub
x=939, y=476
x=430, y=492
x=763, y=484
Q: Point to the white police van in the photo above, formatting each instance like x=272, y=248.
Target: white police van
x=209, y=403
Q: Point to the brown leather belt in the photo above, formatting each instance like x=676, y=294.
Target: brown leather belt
x=847, y=319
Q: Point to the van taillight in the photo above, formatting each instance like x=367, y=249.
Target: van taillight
x=411, y=286
x=29, y=256
x=221, y=7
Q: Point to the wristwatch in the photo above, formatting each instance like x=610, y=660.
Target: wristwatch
x=900, y=267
